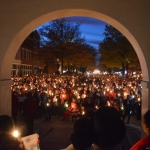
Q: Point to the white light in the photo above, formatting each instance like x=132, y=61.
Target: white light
x=16, y=133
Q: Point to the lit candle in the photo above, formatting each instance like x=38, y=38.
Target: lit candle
x=139, y=99
x=16, y=133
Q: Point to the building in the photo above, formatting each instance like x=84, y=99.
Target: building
x=26, y=60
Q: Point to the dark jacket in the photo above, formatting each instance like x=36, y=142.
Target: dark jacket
x=29, y=108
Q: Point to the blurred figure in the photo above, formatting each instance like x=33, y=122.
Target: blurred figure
x=144, y=143
x=74, y=110
x=83, y=136
x=9, y=142
x=6, y=124
x=29, y=112
x=48, y=110
x=65, y=111
x=127, y=109
x=55, y=106
x=109, y=128
x=44, y=101
x=15, y=106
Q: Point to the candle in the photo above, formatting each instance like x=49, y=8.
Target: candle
x=16, y=133
x=139, y=99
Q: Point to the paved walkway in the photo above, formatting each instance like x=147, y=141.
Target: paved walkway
x=55, y=134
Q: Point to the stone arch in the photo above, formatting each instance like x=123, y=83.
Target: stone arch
x=24, y=31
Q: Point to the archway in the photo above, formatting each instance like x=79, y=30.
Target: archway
x=23, y=33
x=26, y=30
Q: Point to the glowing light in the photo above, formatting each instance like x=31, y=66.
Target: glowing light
x=16, y=133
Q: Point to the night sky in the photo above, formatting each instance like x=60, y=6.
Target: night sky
x=92, y=29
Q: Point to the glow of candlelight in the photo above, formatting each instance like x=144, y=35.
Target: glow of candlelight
x=16, y=133
x=47, y=104
x=138, y=99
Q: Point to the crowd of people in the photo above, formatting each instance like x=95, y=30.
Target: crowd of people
x=102, y=103
x=75, y=95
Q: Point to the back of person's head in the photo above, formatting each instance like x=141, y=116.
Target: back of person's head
x=9, y=142
x=6, y=124
x=110, y=129
x=29, y=94
x=147, y=119
x=83, y=134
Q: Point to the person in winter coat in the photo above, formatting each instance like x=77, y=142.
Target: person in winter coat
x=48, y=110
x=29, y=112
x=15, y=106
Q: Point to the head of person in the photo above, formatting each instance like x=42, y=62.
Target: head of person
x=146, y=122
x=9, y=142
x=29, y=94
x=6, y=124
x=109, y=128
x=83, y=135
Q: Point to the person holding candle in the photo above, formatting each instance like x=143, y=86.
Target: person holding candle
x=63, y=97
x=65, y=111
x=44, y=101
x=74, y=110
x=48, y=110
x=127, y=109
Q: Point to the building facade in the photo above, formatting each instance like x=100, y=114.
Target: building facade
x=26, y=60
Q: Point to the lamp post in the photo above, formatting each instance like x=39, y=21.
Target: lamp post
x=57, y=67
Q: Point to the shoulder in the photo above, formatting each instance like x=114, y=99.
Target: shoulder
x=70, y=147
x=142, y=144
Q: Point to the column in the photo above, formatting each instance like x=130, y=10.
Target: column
x=5, y=97
x=145, y=100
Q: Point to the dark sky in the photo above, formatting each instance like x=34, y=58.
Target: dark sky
x=92, y=29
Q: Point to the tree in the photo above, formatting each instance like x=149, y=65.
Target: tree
x=60, y=36
x=116, y=51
